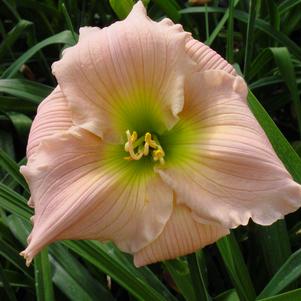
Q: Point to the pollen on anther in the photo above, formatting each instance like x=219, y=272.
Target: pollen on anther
x=137, y=148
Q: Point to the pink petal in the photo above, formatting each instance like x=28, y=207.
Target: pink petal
x=230, y=172
x=133, y=67
x=80, y=192
x=182, y=235
x=53, y=116
x=207, y=58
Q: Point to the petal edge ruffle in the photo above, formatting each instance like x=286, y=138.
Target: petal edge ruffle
x=126, y=76
x=80, y=194
x=53, y=116
x=206, y=58
x=229, y=172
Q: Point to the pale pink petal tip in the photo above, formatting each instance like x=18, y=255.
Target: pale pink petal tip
x=138, y=9
x=27, y=257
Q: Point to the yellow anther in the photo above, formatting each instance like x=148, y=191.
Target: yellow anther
x=131, y=137
x=128, y=147
x=158, y=153
x=148, y=139
x=143, y=149
x=128, y=135
x=134, y=136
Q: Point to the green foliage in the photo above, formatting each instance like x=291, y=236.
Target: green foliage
x=260, y=37
x=122, y=7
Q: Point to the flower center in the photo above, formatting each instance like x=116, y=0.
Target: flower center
x=143, y=146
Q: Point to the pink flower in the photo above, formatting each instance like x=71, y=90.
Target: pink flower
x=148, y=141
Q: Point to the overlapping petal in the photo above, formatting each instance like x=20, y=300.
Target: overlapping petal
x=228, y=171
x=206, y=58
x=53, y=116
x=126, y=76
x=182, y=235
x=217, y=168
x=83, y=190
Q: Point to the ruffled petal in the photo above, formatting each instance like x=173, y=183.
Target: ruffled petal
x=126, y=76
x=82, y=192
x=53, y=116
x=227, y=170
x=206, y=58
x=182, y=235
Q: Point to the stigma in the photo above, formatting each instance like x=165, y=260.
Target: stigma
x=143, y=146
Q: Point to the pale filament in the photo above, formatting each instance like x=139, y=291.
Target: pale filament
x=132, y=142
x=129, y=146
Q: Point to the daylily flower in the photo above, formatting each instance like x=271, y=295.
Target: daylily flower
x=147, y=141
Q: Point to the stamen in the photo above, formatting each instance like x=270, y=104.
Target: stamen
x=126, y=147
x=158, y=155
x=146, y=149
x=134, y=136
x=143, y=150
x=148, y=139
x=129, y=146
x=128, y=158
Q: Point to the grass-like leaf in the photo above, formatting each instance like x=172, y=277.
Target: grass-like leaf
x=12, y=168
x=237, y=269
x=43, y=277
x=25, y=89
x=289, y=272
x=284, y=62
x=283, y=149
x=121, y=8
x=64, y=37
x=13, y=36
x=288, y=296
